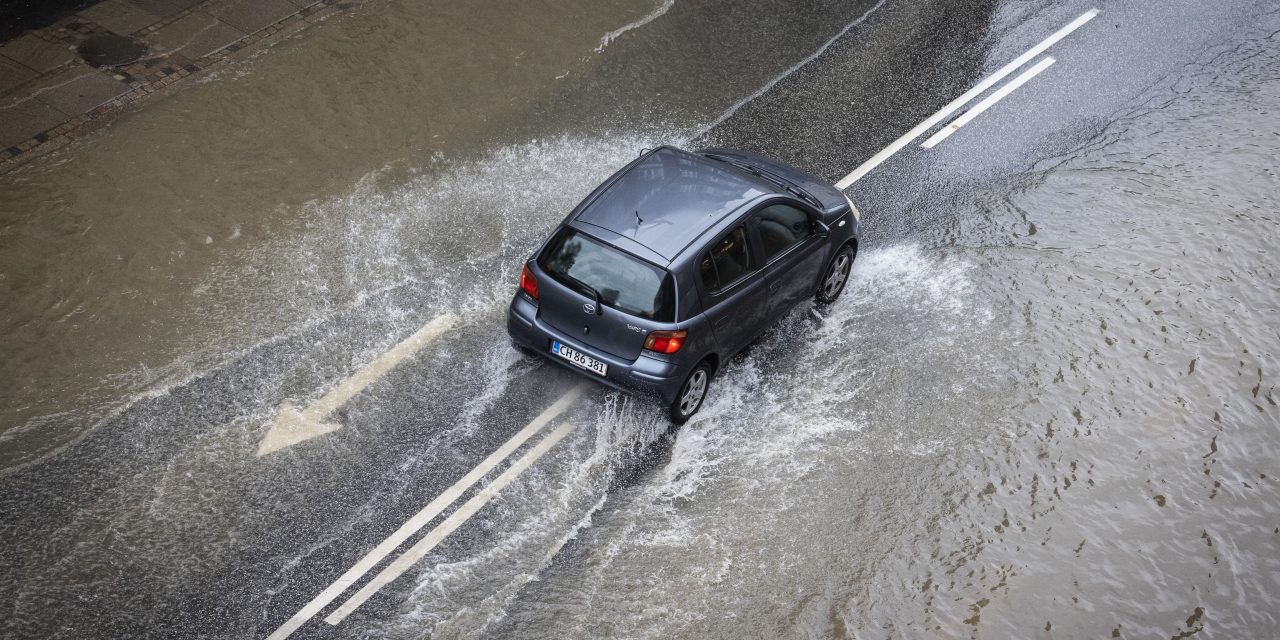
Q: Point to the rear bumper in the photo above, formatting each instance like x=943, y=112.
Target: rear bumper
x=645, y=375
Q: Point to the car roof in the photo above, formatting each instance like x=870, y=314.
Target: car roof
x=666, y=199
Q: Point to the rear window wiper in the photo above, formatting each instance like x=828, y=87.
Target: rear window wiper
x=595, y=295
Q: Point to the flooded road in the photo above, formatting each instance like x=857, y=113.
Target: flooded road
x=1045, y=407
x=1077, y=436
x=263, y=198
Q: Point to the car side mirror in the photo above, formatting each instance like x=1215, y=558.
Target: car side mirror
x=821, y=229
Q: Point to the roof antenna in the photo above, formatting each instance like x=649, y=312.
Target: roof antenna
x=639, y=220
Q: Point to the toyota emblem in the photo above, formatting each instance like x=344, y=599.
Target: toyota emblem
x=589, y=308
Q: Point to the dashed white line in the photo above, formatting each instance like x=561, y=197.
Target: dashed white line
x=790, y=70
x=653, y=15
x=986, y=103
x=426, y=515
x=455, y=520
x=964, y=99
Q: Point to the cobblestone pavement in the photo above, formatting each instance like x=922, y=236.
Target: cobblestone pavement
x=51, y=92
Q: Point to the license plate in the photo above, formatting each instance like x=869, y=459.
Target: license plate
x=578, y=358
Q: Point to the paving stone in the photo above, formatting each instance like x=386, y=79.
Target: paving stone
x=13, y=74
x=37, y=54
x=78, y=89
x=119, y=16
x=303, y=4
x=290, y=27
x=322, y=13
x=194, y=36
x=164, y=8
x=25, y=119
x=251, y=15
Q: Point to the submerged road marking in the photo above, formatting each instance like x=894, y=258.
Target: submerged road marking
x=450, y=524
x=426, y=515
x=790, y=70
x=964, y=99
x=987, y=102
x=653, y=15
x=292, y=426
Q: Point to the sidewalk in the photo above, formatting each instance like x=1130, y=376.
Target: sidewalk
x=51, y=90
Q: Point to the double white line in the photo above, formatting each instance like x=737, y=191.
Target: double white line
x=429, y=513
x=968, y=96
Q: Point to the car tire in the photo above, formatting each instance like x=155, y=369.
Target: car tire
x=691, y=394
x=836, y=276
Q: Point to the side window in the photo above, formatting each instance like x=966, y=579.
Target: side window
x=781, y=226
x=727, y=261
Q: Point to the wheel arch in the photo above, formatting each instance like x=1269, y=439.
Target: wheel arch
x=712, y=359
x=851, y=242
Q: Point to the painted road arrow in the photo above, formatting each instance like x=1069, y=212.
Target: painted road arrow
x=293, y=425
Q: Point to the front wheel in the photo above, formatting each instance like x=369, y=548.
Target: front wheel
x=836, y=277
x=691, y=395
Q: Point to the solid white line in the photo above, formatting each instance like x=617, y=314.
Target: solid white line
x=426, y=515
x=964, y=99
x=986, y=103
x=437, y=535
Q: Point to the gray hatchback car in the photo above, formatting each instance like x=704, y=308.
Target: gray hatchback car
x=677, y=262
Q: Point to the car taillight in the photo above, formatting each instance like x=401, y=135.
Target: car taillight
x=665, y=341
x=528, y=283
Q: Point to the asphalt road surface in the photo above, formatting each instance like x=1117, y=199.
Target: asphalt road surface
x=260, y=384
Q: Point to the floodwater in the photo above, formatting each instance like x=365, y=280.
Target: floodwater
x=1060, y=420
x=1051, y=414
x=235, y=211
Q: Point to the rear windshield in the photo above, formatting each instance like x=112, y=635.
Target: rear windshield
x=623, y=282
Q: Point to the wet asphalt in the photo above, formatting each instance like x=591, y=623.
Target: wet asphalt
x=160, y=522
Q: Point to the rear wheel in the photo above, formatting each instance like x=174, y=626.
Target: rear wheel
x=836, y=277
x=691, y=395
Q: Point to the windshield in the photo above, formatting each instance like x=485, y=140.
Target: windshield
x=621, y=281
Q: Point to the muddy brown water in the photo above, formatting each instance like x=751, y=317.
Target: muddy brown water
x=215, y=219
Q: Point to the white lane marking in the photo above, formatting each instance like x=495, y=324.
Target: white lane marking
x=292, y=426
x=964, y=99
x=426, y=515
x=778, y=78
x=986, y=103
x=437, y=535
x=652, y=15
